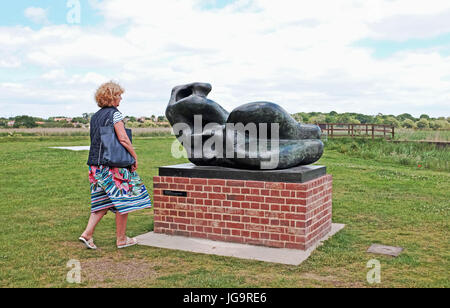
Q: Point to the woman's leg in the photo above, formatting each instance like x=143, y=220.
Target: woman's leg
x=93, y=221
x=121, y=228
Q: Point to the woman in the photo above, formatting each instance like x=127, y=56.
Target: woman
x=119, y=190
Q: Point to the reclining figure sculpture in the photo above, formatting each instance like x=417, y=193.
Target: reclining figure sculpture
x=259, y=135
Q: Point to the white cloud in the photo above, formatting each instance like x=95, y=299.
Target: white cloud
x=56, y=74
x=37, y=15
x=91, y=78
x=298, y=54
x=11, y=85
x=403, y=27
x=10, y=62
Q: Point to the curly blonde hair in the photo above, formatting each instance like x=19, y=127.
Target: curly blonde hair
x=107, y=93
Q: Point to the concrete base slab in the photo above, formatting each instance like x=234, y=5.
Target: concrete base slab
x=80, y=148
x=242, y=251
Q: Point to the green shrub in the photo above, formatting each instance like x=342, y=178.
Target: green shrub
x=409, y=124
x=423, y=123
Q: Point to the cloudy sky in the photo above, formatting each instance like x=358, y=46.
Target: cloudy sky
x=367, y=56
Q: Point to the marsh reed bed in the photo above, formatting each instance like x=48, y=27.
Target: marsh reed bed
x=422, y=135
x=420, y=155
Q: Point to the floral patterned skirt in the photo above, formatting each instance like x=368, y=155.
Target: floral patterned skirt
x=117, y=189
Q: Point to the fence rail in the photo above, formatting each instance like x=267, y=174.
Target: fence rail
x=337, y=130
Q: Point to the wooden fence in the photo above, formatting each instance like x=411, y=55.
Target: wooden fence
x=337, y=130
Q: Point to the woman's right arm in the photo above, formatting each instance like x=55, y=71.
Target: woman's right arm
x=119, y=127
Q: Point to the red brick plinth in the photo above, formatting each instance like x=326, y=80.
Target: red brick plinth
x=274, y=214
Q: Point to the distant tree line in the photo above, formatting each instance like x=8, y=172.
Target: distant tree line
x=404, y=120
x=25, y=121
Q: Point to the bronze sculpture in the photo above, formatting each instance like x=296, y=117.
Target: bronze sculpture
x=259, y=135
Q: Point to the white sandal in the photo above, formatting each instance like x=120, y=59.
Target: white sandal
x=89, y=244
x=128, y=243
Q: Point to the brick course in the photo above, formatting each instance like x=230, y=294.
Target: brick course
x=282, y=215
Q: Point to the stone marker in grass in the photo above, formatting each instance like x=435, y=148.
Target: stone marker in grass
x=385, y=250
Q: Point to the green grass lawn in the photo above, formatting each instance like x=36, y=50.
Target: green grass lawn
x=45, y=206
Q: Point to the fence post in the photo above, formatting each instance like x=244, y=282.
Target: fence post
x=393, y=132
x=373, y=131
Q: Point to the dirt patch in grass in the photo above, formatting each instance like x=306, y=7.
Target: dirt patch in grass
x=320, y=278
x=105, y=270
x=331, y=280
